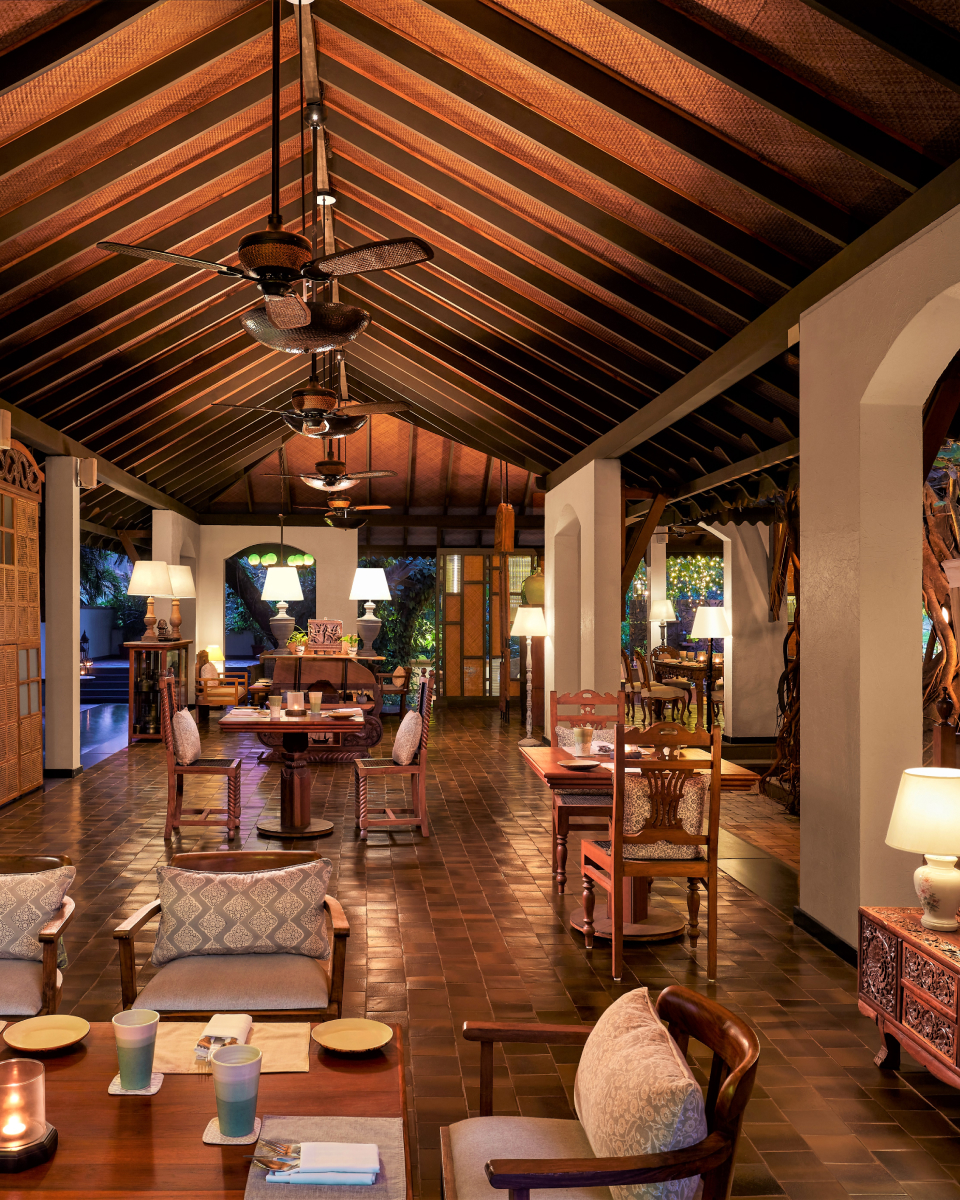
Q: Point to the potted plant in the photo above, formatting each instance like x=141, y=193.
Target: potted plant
x=349, y=643
x=296, y=641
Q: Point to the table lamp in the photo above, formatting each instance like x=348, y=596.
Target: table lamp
x=281, y=585
x=926, y=820
x=529, y=623
x=216, y=656
x=369, y=584
x=181, y=583
x=150, y=578
x=710, y=623
x=662, y=611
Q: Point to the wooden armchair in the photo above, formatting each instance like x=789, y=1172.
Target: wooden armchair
x=315, y=985
x=229, y=768
x=736, y=1051
x=416, y=771
x=581, y=811
x=605, y=863
x=654, y=696
x=389, y=687
x=29, y=988
x=221, y=690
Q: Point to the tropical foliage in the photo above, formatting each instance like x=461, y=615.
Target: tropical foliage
x=104, y=577
x=409, y=626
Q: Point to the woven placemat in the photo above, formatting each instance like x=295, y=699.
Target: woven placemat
x=213, y=1137
x=285, y=1046
x=156, y=1079
x=385, y=1132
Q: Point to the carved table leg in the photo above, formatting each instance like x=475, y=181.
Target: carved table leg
x=294, y=820
x=693, y=906
x=888, y=1056
x=560, y=851
x=589, y=900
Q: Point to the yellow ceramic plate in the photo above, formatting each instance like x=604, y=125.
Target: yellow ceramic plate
x=352, y=1035
x=46, y=1033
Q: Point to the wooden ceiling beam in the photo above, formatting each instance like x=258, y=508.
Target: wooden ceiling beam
x=655, y=117
x=685, y=212
x=720, y=57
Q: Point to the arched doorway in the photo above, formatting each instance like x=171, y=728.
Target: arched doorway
x=246, y=618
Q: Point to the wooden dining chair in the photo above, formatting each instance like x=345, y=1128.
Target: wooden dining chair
x=666, y=838
x=581, y=811
x=227, y=768
x=396, y=683
x=519, y=1154
x=29, y=988
x=218, y=689
x=628, y=682
x=654, y=696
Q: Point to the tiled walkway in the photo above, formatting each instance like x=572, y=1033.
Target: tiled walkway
x=466, y=925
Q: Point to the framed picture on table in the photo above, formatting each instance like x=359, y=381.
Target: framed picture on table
x=323, y=636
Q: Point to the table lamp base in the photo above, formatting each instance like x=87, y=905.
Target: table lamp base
x=938, y=888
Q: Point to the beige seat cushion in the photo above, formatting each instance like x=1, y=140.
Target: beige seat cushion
x=475, y=1141
x=21, y=987
x=227, y=693
x=238, y=983
x=660, y=691
x=635, y=1094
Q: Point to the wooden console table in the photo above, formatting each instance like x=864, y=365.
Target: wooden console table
x=909, y=982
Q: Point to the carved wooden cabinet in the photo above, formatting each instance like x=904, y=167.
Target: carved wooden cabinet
x=21, y=718
x=909, y=982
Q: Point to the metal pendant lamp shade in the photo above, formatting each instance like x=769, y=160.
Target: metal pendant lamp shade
x=331, y=326
x=369, y=584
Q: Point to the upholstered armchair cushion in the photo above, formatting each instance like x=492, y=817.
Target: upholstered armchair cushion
x=407, y=742
x=475, y=1141
x=27, y=902
x=186, y=738
x=257, y=912
x=635, y=1094
x=238, y=983
x=21, y=987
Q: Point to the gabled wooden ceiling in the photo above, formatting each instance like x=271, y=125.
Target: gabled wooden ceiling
x=612, y=190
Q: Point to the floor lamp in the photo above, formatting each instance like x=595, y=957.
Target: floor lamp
x=710, y=623
x=662, y=611
x=529, y=623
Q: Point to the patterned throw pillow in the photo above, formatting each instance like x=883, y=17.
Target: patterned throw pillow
x=259, y=912
x=636, y=812
x=186, y=738
x=398, y=676
x=27, y=902
x=407, y=742
x=635, y=1094
x=209, y=671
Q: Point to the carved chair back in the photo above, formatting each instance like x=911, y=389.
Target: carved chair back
x=424, y=697
x=645, y=678
x=584, y=707
x=169, y=704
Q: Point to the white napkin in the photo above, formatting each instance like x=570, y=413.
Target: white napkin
x=229, y=1025
x=351, y=1163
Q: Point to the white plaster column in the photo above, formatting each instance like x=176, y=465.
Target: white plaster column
x=582, y=603
x=176, y=540
x=656, y=582
x=61, y=505
x=871, y=352
x=753, y=655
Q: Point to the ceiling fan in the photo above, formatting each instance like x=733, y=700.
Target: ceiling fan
x=278, y=262
x=339, y=514
x=332, y=475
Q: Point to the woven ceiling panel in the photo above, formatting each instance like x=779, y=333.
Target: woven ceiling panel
x=743, y=121
x=496, y=235
x=26, y=19
x=596, y=124
x=157, y=32
x=537, y=213
x=803, y=42
x=130, y=125
x=540, y=158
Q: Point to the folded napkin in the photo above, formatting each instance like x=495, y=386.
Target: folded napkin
x=350, y=1163
x=223, y=1029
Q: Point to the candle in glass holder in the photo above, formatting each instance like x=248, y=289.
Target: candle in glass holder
x=295, y=700
x=22, y=1107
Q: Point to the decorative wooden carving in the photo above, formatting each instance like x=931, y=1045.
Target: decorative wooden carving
x=926, y=975
x=930, y=1025
x=878, y=966
x=21, y=721
x=666, y=792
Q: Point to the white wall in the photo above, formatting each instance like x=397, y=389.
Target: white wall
x=657, y=581
x=177, y=540
x=871, y=352
x=582, y=544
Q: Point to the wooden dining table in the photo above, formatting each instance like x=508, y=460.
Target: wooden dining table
x=151, y=1145
x=665, y=669
x=296, y=819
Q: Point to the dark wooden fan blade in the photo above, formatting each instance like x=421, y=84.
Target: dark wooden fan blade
x=372, y=408
x=374, y=256
x=370, y=508
x=287, y=312
x=366, y=474
x=198, y=264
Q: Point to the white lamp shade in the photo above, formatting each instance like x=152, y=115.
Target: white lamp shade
x=370, y=583
x=662, y=610
x=529, y=622
x=149, y=577
x=181, y=581
x=215, y=654
x=710, y=623
x=282, y=583
x=926, y=813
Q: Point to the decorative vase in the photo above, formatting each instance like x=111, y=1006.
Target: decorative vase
x=938, y=888
x=368, y=626
x=281, y=626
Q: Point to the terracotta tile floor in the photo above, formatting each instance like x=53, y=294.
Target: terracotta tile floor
x=762, y=822
x=466, y=925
